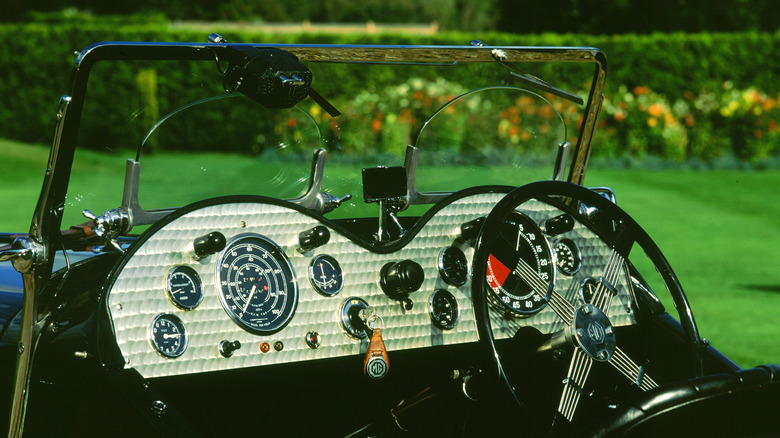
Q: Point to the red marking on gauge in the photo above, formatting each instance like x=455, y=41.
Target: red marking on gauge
x=496, y=273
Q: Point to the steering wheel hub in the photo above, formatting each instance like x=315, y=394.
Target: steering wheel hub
x=593, y=332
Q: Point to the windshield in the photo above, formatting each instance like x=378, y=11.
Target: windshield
x=197, y=137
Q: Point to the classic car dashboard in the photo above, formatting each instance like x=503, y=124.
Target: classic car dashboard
x=246, y=282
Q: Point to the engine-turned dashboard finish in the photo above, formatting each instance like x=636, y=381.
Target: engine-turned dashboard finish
x=261, y=291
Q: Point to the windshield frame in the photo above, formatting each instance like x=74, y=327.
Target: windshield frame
x=46, y=223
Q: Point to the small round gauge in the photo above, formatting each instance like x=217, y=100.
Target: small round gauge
x=184, y=287
x=453, y=266
x=567, y=256
x=256, y=284
x=325, y=275
x=443, y=309
x=520, y=288
x=589, y=287
x=168, y=335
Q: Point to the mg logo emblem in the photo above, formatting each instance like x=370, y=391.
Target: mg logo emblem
x=376, y=368
x=596, y=332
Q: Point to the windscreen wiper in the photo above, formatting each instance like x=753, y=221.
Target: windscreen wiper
x=529, y=79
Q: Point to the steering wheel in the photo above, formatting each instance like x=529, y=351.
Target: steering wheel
x=587, y=324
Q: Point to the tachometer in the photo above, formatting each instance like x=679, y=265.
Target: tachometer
x=515, y=284
x=257, y=284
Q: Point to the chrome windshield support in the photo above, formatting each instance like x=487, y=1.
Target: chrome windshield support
x=559, y=172
x=314, y=199
x=413, y=197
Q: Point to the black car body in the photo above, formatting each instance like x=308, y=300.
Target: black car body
x=477, y=288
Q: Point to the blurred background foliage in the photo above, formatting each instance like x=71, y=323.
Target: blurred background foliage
x=516, y=16
x=683, y=82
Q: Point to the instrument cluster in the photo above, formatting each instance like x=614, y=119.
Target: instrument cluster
x=256, y=282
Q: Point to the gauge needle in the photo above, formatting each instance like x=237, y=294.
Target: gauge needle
x=171, y=335
x=324, y=278
x=251, y=294
x=176, y=291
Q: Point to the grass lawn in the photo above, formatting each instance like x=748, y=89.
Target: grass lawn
x=720, y=231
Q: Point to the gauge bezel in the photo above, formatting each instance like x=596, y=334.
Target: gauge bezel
x=176, y=321
x=335, y=264
x=575, y=249
x=445, y=274
x=438, y=322
x=197, y=281
x=283, y=262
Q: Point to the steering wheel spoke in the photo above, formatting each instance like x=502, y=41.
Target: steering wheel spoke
x=562, y=307
x=633, y=372
x=574, y=383
x=605, y=291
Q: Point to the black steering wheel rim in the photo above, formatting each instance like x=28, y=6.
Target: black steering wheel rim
x=631, y=234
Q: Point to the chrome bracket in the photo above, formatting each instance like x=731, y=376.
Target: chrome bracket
x=110, y=225
x=24, y=254
x=314, y=199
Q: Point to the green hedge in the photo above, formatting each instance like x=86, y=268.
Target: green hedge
x=679, y=70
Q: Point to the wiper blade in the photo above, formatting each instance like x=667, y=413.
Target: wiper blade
x=544, y=86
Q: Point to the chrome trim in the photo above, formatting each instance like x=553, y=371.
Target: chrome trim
x=23, y=254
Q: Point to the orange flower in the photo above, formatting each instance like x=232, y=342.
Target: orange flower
x=620, y=116
x=638, y=91
x=655, y=109
x=376, y=126
x=652, y=122
x=291, y=122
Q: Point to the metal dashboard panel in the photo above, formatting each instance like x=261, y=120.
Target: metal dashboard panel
x=138, y=294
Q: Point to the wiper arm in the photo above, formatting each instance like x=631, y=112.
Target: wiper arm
x=533, y=81
x=529, y=79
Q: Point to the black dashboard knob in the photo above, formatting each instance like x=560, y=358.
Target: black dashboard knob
x=399, y=279
x=558, y=225
x=204, y=246
x=226, y=348
x=312, y=238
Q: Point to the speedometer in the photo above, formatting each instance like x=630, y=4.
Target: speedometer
x=257, y=284
x=520, y=266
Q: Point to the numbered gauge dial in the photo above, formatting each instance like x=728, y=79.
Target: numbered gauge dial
x=325, y=275
x=443, y=309
x=168, y=335
x=567, y=256
x=184, y=287
x=256, y=284
x=453, y=266
x=520, y=268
